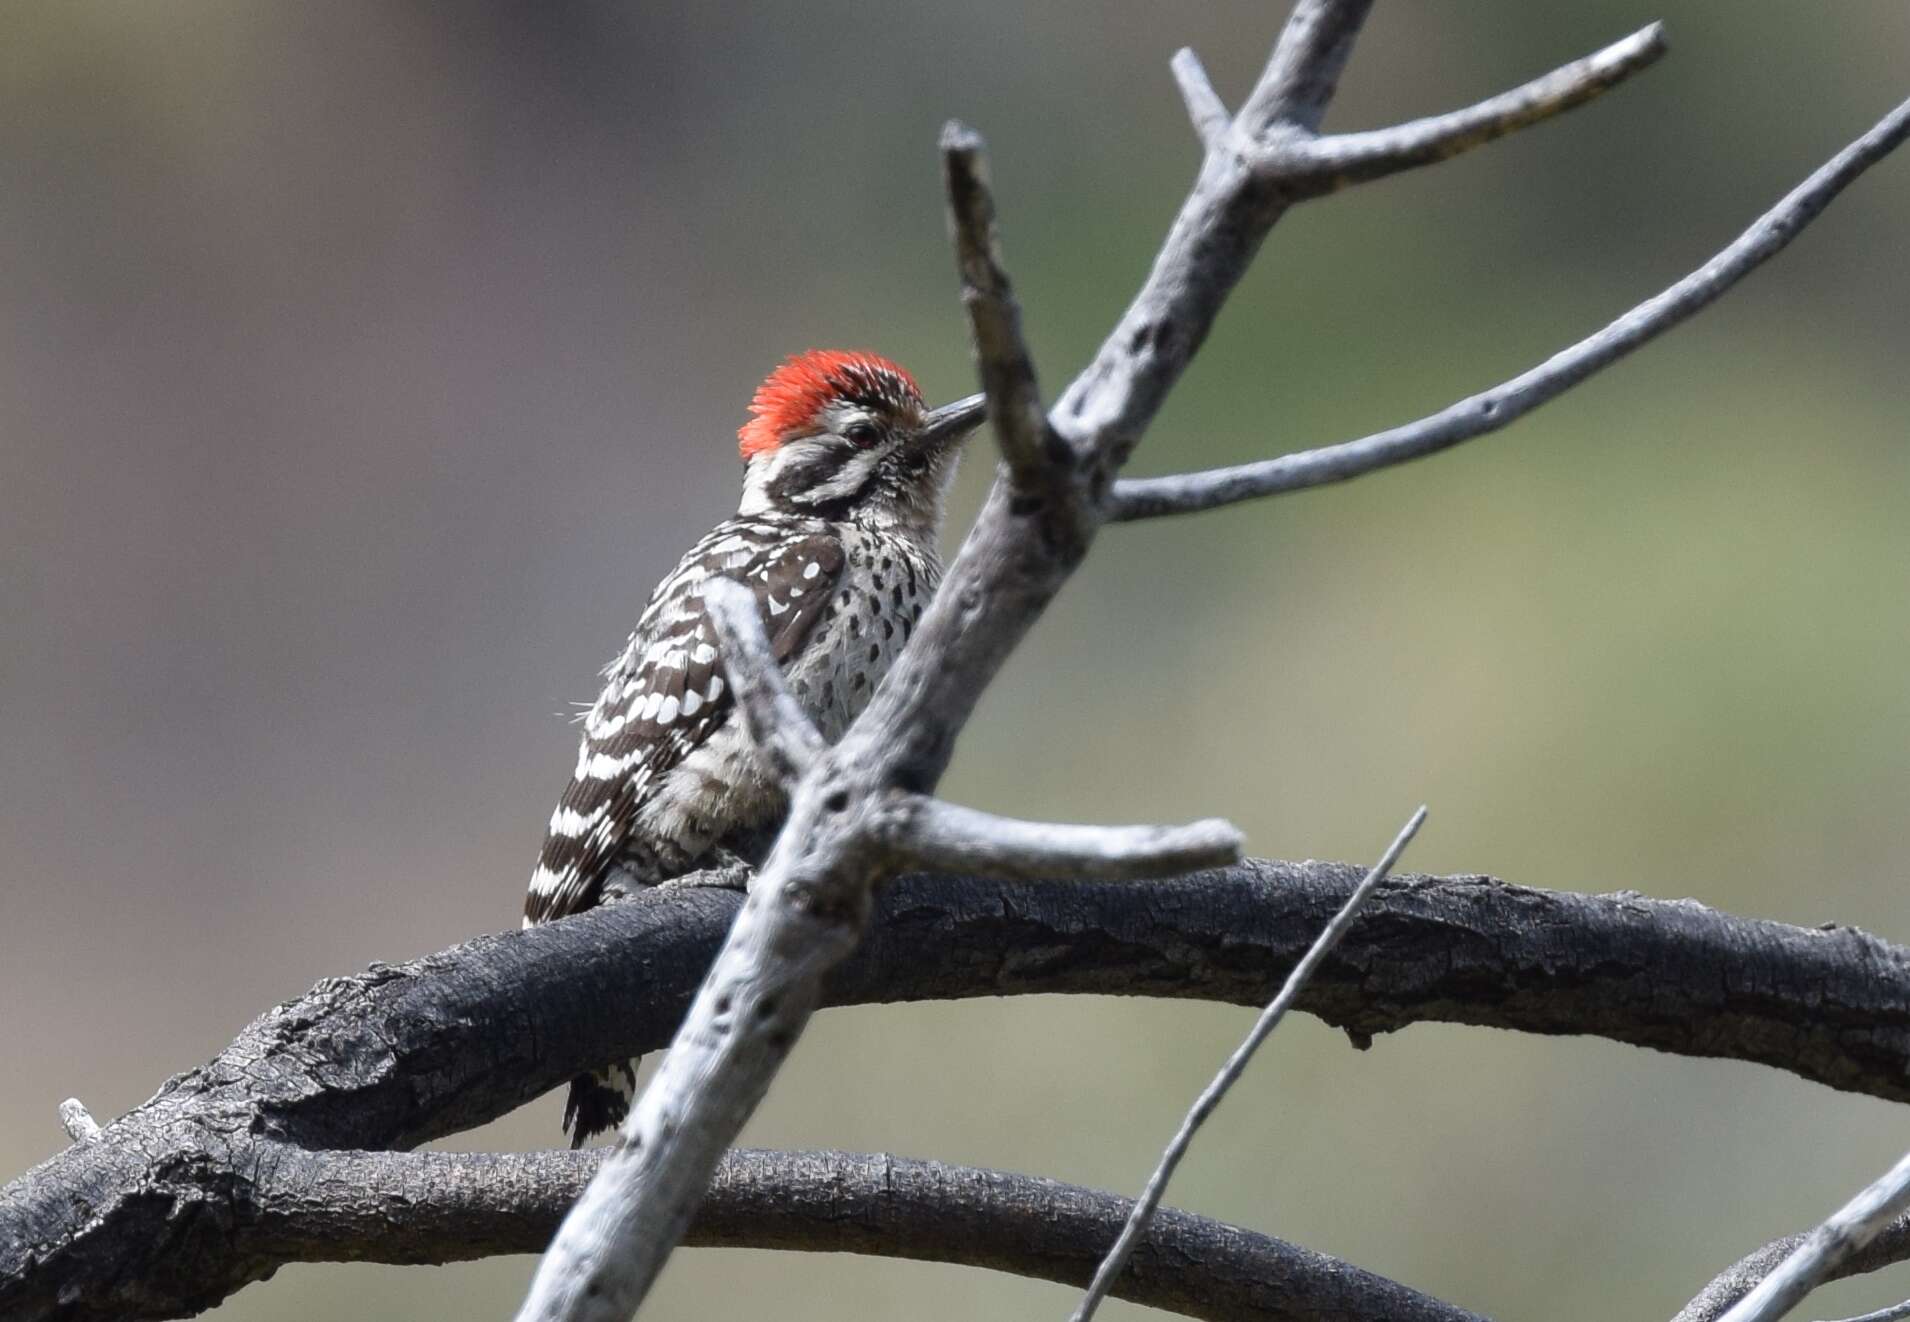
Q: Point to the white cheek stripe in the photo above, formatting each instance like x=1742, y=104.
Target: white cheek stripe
x=848, y=480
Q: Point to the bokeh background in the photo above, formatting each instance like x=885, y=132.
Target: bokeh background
x=363, y=365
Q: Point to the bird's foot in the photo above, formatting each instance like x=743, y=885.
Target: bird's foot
x=720, y=870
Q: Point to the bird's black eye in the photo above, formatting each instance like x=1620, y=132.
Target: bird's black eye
x=862, y=433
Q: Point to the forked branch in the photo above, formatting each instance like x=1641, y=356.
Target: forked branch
x=1205, y=110
x=1317, y=165
x=1490, y=410
x=812, y=899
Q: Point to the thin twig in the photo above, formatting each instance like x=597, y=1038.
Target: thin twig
x=1236, y=1064
x=1205, y=110
x=1146, y=498
x=945, y=837
x=774, y=719
x=1001, y=358
x=1314, y=166
x=1845, y=1231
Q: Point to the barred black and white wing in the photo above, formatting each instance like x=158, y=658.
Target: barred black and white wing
x=665, y=695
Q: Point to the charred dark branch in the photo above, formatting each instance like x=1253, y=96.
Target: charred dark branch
x=435, y=1207
x=138, y=1221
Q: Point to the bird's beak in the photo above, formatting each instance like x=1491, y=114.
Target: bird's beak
x=952, y=422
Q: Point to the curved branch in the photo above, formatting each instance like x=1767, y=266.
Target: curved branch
x=1315, y=166
x=396, y=1056
x=1488, y=411
x=1888, y=1247
x=435, y=1207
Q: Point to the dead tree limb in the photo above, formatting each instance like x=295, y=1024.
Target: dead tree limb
x=842, y=838
x=1502, y=405
x=139, y=1221
x=436, y=1207
x=1210, y=1097
x=1868, y=1233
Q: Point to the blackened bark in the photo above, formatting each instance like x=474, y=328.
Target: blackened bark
x=142, y=1220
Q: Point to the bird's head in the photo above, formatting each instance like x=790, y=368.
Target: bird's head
x=840, y=434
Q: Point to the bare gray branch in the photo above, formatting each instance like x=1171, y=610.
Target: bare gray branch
x=1001, y=357
x=1205, y=110
x=1304, y=72
x=1236, y=1065
x=804, y=914
x=774, y=719
x=1326, y=164
x=1890, y=1247
x=813, y=895
x=945, y=837
x=1840, y=1236
x=1498, y=407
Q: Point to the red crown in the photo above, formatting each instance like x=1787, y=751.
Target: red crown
x=794, y=392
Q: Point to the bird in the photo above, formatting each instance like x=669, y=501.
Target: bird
x=845, y=477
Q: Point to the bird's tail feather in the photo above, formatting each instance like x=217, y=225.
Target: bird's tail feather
x=599, y=1101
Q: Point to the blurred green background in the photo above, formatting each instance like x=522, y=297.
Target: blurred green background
x=363, y=365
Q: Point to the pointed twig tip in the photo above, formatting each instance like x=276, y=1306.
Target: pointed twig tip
x=958, y=137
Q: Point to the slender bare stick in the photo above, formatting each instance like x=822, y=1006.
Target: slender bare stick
x=1847, y=1229
x=1327, y=164
x=775, y=721
x=946, y=837
x=1001, y=359
x=1490, y=410
x=1230, y=1072
x=1205, y=110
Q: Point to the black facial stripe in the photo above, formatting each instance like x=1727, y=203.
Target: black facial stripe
x=798, y=475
